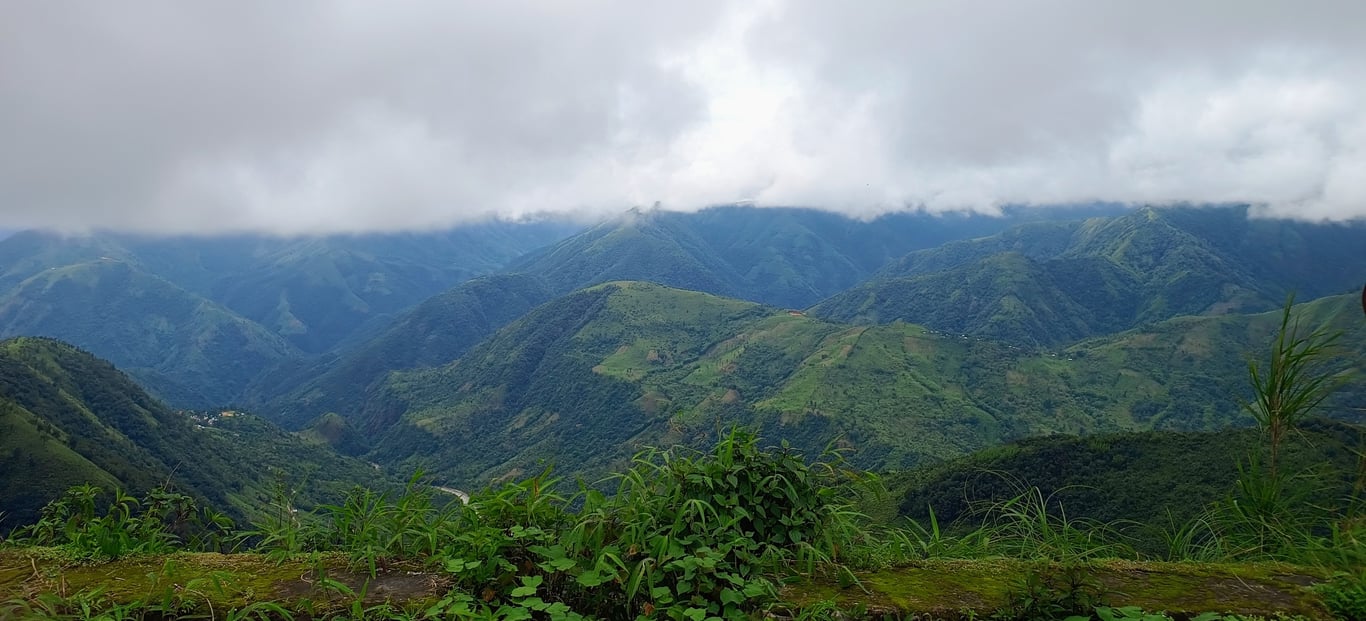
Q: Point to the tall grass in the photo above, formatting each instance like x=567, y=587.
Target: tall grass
x=1035, y=526
x=1295, y=380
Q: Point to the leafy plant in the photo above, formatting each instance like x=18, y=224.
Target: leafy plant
x=1345, y=596
x=374, y=530
x=161, y=522
x=1053, y=592
x=1135, y=613
x=280, y=531
x=688, y=535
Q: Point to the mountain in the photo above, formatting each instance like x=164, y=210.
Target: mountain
x=215, y=320
x=314, y=292
x=317, y=292
x=786, y=257
x=586, y=379
x=1048, y=284
x=69, y=418
x=179, y=345
x=640, y=245
x=437, y=331
x=780, y=256
x=1006, y=296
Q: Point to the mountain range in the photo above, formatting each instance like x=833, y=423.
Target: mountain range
x=493, y=351
x=199, y=320
x=1048, y=284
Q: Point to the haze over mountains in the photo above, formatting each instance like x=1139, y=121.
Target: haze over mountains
x=486, y=353
x=198, y=320
x=1053, y=283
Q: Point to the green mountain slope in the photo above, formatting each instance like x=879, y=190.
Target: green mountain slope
x=586, y=379
x=69, y=418
x=639, y=245
x=1052, y=283
x=1154, y=478
x=437, y=331
x=38, y=463
x=28, y=253
x=181, y=346
x=786, y=257
x=782, y=257
x=197, y=320
x=317, y=292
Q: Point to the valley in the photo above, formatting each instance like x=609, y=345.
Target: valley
x=577, y=355
x=971, y=362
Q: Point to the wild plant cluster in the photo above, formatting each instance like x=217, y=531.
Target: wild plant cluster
x=685, y=535
x=160, y=522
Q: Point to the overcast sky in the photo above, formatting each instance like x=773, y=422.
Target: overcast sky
x=342, y=115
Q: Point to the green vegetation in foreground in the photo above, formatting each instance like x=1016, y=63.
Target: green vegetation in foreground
x=1150, y=481
x=730, y=534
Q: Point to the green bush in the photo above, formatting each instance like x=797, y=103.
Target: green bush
x=1345, y=596
x=162, y=521
x=687, y=534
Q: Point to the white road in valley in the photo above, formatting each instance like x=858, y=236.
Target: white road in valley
x=465, y=498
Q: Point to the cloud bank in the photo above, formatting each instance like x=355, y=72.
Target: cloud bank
x=333, y=116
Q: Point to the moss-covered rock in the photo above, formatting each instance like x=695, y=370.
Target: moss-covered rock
x=952, y=589
x=942, y=589
x=207, y=582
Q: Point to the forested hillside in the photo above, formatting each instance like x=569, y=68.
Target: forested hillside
x=1152, y=479
x=181, y=346
x=199, y=321
x=585, y=380
x=69, y=419
x=781, y=257
x=1053, y=283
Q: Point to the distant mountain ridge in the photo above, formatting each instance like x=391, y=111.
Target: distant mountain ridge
x=1049, y=284
x=312, y=291
x=1023, y=279
x=779, y=256
x=178, y=344
x=209, y=321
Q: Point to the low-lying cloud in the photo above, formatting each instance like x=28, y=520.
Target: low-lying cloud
x=330, y=116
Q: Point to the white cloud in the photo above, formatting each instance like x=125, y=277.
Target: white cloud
x=343, y=116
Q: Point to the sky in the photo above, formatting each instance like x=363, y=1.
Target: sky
x=345, y=115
